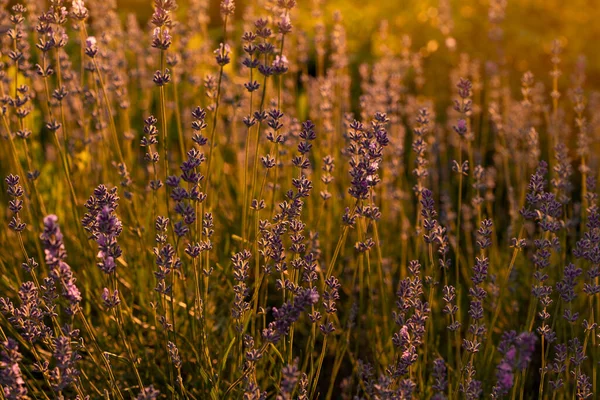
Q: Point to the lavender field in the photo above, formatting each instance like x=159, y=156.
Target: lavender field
x=281, y=199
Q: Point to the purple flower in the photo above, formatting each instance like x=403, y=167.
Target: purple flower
x=78, y=10
x=15, y=190
x=174, y=354
x=461, y=127
x=28, y=318
x=104, y=226
x=91, y=46
x=222, y=54
x=440, y=378
x=584, y=387
x=366, y=151
x=566, y=287
x=11, y=378
x=65, y=372
x=55, y=252
x=280, y=65
x=227, y=8
x=505, y=379
x=518, y=351
x=289, y=313
x=290, y=375
x=148, y=393
x=109, y=299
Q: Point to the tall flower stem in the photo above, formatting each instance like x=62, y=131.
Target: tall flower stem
x=246, y=166
x=163, y=121
x=118, y=315
x=62, y=154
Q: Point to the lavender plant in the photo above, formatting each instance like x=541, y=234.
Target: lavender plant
x=225, y=251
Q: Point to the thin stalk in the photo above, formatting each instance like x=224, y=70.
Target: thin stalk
x=62, y=156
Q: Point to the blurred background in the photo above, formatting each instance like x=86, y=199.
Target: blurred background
x=441, y=30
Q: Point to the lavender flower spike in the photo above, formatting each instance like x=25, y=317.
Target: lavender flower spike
x=55, y=253
x=11, y=378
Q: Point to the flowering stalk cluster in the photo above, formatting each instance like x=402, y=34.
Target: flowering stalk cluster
x=56, y=254
x=517, y=351
x=411, y=316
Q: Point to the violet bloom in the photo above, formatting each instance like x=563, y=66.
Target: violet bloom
x=15, y=190
x=174, y=354
x=55, y=253
x=558, y=366
x=450, y=308
x=186, y=198
x=109, y=299
x=288, y=313
x=473, y=387
x=290, y=375
x=78, y=10
x=566, y=289
x=588, y=249
x=584, y=387
x=563, y=171
x=464, y=103
x=222, y=54
x=285, y=25
x=52, y=238
x=91, y=47
x=433, y=232
x=429, y=215
x=576, y=352
x=227, y=8
x=541, y=205
x=149, y=139
x=28, y=318
x=109, y=228
x=253, y=392
x=366, y=149
x=104, y=226
x=477, y=293
x=166, y=261
x=148, y=393
x=461, y=127
x=419, y=146
x=518, y=351
x=330, y=296
x=411, y=316
x=162, y=13
x=161, y=38
x=11, y=378
x=65, y=373
x=241, y=268
x=280, y=65
x=505, y=376
x=440, y=376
